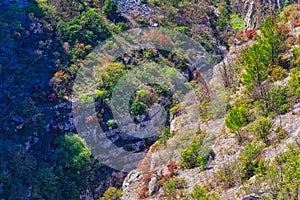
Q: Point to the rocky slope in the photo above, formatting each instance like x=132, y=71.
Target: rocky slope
x=224, y=145
x=36, y=118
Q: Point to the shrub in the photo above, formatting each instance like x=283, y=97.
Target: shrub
x=283, y=175
x=172, y=167
x=100, y=93
x=229, y=175
x=111, y=76
x=251, y=162
x=35, y=9
x=109, y=7
x=89, y=27
x=261, y=127
x=85, y=99
x=196, y=155
x=112, y=193
x=175, y=109
x=296, y=57
x=120, y=26
x=250, y=33
x=112, y=123
x=278, y=73
x=138, y=108
x=73, y=152
x=201, y=193
x=174, y=187
x=165, y=135
x=278, y=100
x=143, y=192
x=183, y=29
x=236, y=21
x=73, y=165
x=237, y=118
x=189, y=155
x=294, y=82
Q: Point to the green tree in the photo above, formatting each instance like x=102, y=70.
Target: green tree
x=45, y=186
x=73, y=153
x=196, y=155
x=109, y=7
x=111, y=76
x=88, y=28
x=250, y=160
x=74, y=161
x=274, y=37
x=256, y=61
x=236, y=119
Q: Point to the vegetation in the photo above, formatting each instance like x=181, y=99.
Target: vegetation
x=89, y=27
x=260, y=128
x=236, y=119
x=112, y=193
x=174, y=187
x=196, y=155
x=42, y=46
x=283, y=175
x=201, y=193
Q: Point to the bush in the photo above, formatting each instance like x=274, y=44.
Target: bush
x=174, y=187
x=111, y=76
x=229, y=175
x=100, y=93
x=109, y=7
x=250, y=161
x=236, y=21
x=138, y=108
x=283, y=175
x=73, y=165
x=112, y=193
x=196, y=155
x=236, y=119
x=278, y=73
x=261, y=128
x=201, y=193
x=73, y=152
x=120, y=26
x=294, y=82
x=35, y=9
x=85, y=99
x=296, y=55
x=88, y=28
x=278, y=100
x=143, y=192
x=189, y=155
x=202, y=160
x=165, y=135
x=175, y=109
x=112, y=123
